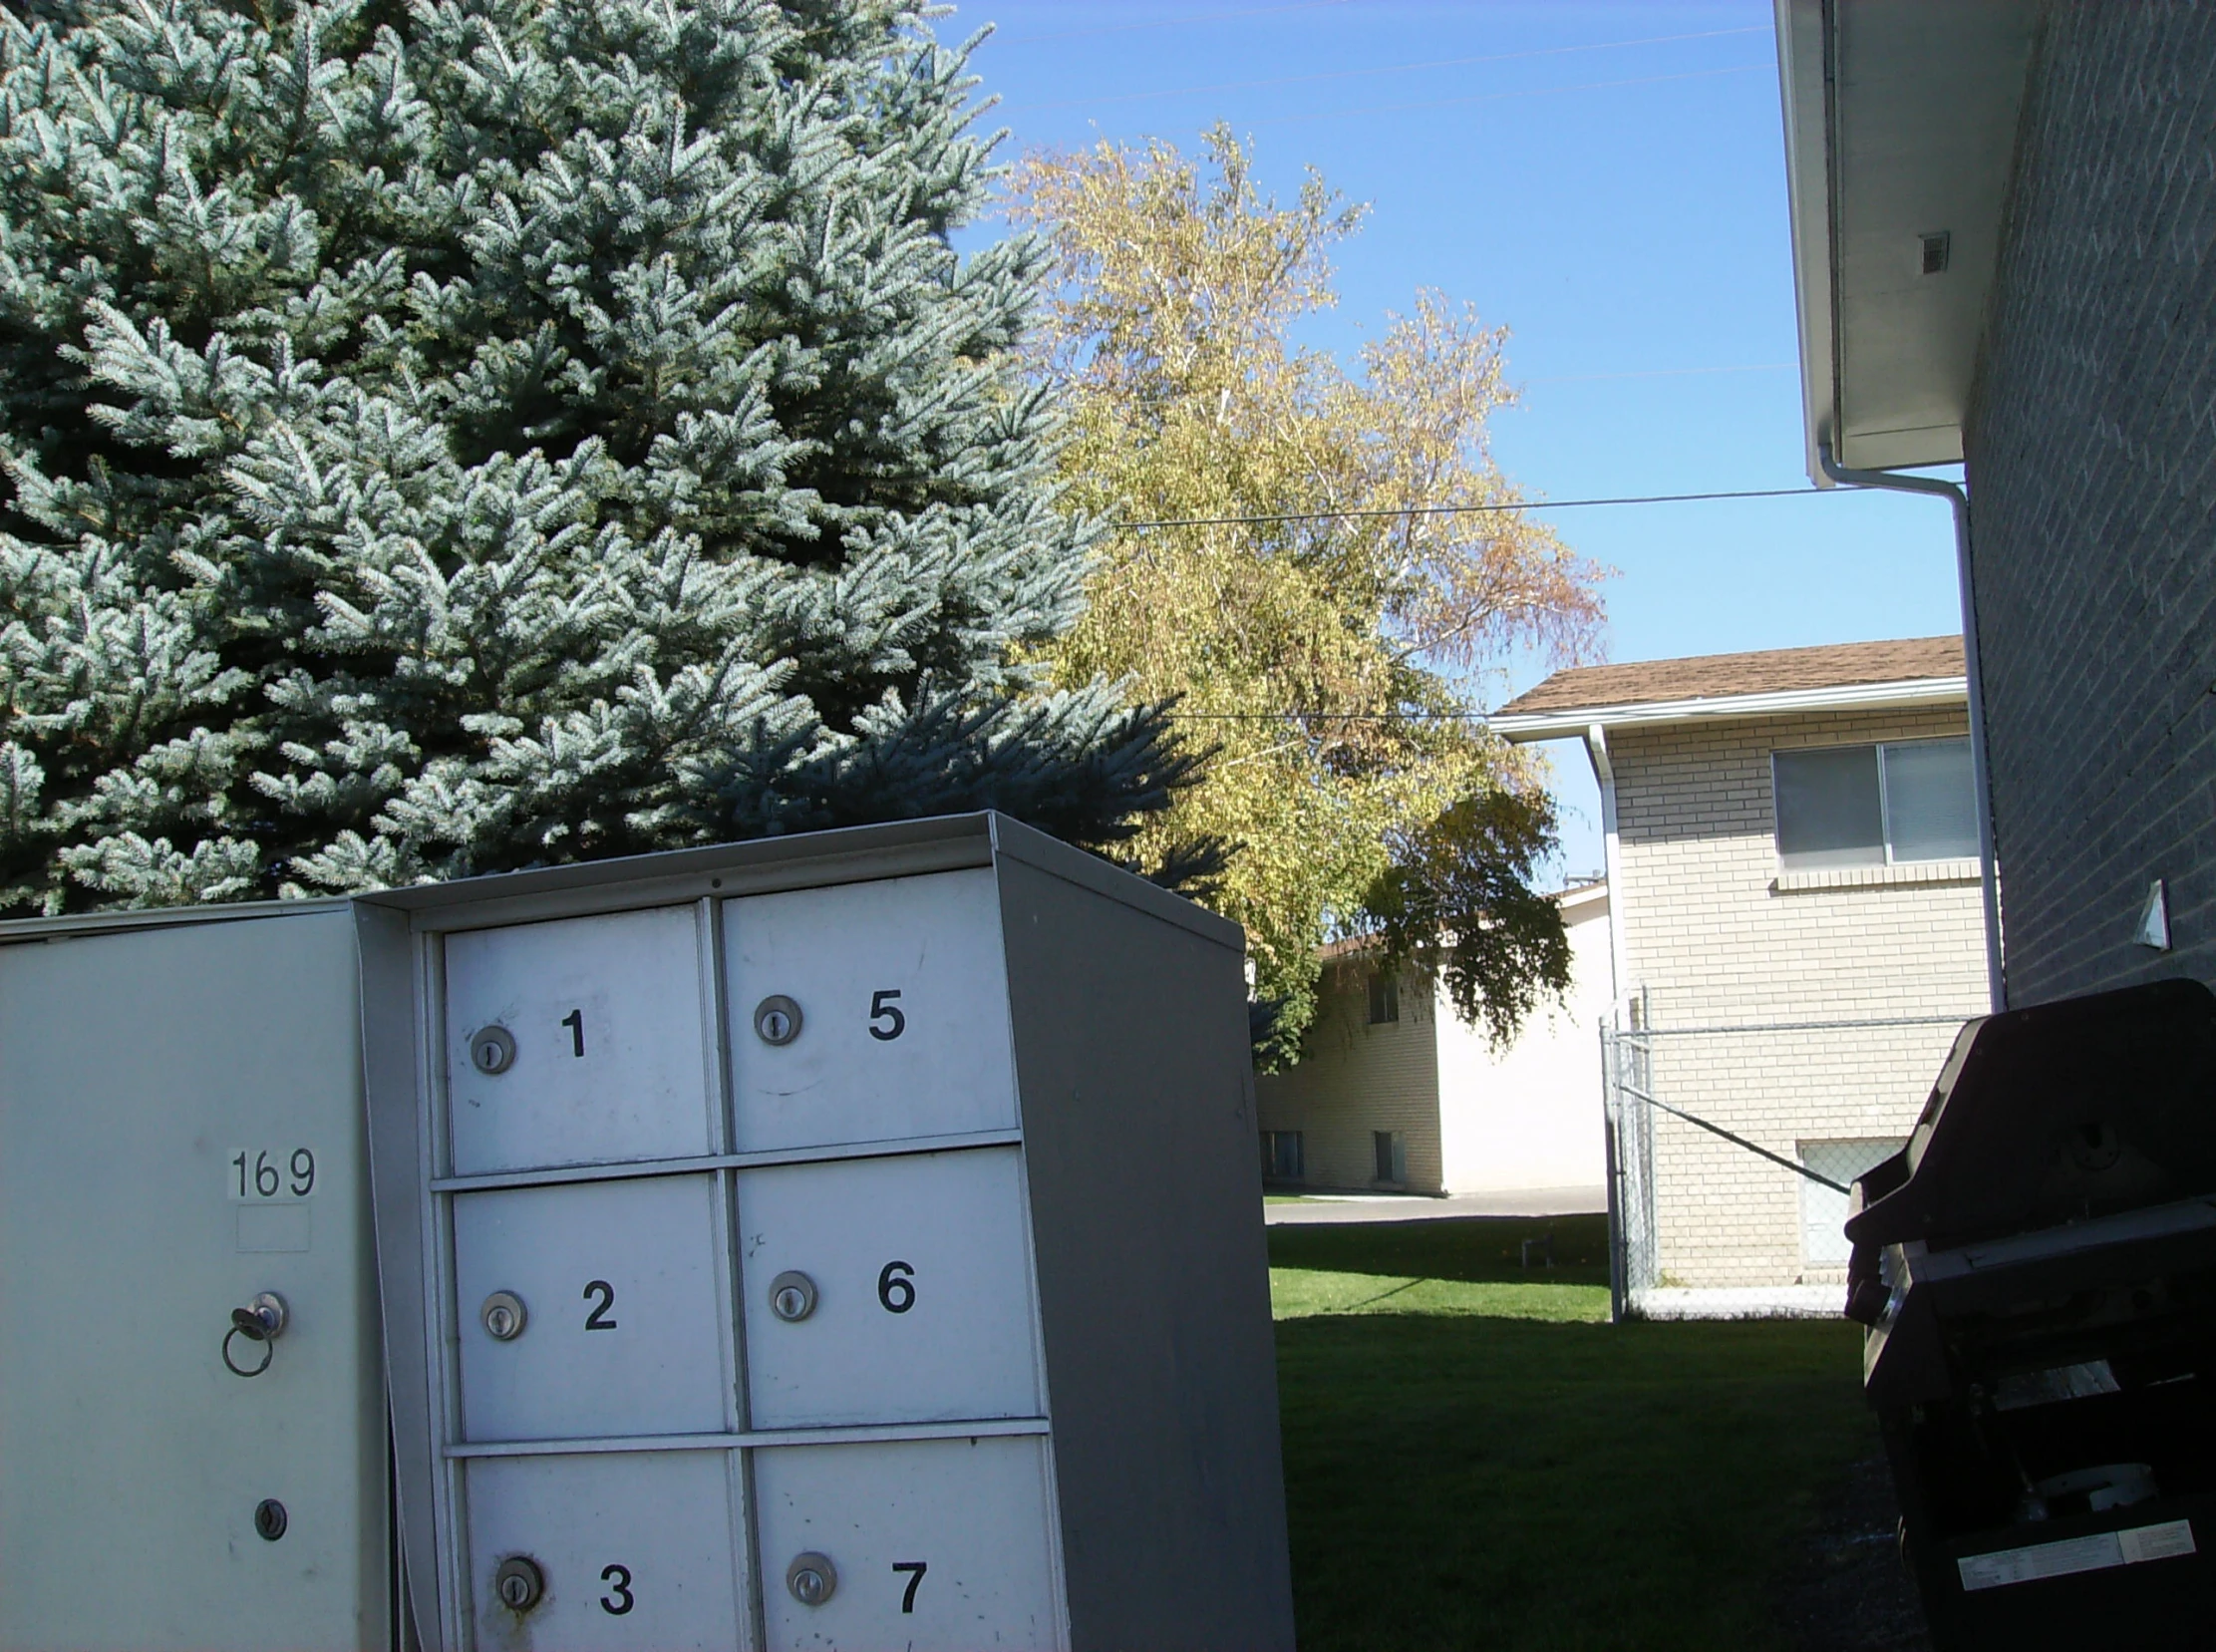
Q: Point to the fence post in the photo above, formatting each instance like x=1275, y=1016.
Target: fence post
x=1611, y=1125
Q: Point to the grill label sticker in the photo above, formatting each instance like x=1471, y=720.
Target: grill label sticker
x=2074, y=1554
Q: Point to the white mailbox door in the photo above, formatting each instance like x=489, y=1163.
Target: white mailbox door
x=636, y=1551
x=623, y=1319
x=904, y=1002
x=609, y=1035
x=921, y=1269
x=937, y=1547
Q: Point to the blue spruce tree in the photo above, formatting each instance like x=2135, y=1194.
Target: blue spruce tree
x=442, y=436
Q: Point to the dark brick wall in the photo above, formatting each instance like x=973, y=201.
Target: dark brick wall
x=2092, y=477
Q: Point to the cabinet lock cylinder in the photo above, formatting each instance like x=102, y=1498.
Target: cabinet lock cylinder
x=813, y=1578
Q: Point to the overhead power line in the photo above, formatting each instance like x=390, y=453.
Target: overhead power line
x=1504, y=97
x=1474, y=510
x=1167, y=22
x=1382, y=69
x=1666, y=373
x=1327, y=716
x=1318, y=715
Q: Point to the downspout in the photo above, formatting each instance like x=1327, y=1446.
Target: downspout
x=1619, y=973
x=1619, y=966
x=1980, y=777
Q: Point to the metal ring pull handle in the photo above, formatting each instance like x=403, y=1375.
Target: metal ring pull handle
x=233, y=1366
x=262, y=1320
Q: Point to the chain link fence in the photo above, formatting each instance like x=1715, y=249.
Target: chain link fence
x=1730, y=1149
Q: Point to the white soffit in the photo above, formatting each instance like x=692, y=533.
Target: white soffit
x=1574, y=720
x=1574, y=901
x=1900, y=124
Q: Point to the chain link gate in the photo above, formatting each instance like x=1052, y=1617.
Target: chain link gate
x=1626, y=1062
x=1632, y=1094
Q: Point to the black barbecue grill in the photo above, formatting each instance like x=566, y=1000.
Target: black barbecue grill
x=2037, y=1272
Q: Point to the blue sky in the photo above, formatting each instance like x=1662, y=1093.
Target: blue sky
x=1605, y=180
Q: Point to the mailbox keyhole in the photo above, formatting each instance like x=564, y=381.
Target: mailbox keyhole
x=270, y=1519
x=503, y=1316
x=520, y=1584
x=777, y=1019
x=492, y=1049
x=791, y=1296
x=813, y=1578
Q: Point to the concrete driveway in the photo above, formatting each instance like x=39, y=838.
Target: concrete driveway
x=1358, y=1207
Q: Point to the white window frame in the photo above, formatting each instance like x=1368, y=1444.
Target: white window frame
x=1885, y=800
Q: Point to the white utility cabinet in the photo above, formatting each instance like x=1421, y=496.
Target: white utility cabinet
x=850, y=1241
x=182, y=1132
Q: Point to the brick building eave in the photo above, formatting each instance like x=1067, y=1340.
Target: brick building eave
x=1571, y=721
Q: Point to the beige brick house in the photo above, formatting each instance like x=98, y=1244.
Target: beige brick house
x=1392, y=1094
x=1797, y=930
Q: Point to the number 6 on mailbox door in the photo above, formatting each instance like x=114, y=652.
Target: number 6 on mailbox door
x=918, y=1283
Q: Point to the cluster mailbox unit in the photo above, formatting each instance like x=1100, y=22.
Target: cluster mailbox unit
x=849, y=1240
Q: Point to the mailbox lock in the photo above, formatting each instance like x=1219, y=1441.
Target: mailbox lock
x=520, y=1584
x=777, y=1019
x=270, y=1519
x=791, y=1296
x=492, y=1049
x=503, y=1316
x=262, y=1320
x=813, y=1578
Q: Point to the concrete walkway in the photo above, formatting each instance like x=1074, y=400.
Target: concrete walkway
x=1742, y=1302
x=1358, y=1207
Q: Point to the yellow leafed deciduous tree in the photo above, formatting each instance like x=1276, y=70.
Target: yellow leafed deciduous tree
x=1331, y=664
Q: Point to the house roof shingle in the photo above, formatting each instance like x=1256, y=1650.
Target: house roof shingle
x=1724, y=676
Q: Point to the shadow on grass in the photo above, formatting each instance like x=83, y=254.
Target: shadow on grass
x=1456, y=1479
x=1469, y=1248
x=1297, y=1293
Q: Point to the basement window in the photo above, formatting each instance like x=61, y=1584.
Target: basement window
x=1874, y=806
x=1823, y=1212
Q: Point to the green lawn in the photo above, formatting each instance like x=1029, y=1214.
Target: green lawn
x=1475, y=1459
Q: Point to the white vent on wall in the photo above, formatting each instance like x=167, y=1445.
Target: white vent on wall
x=2154, y=919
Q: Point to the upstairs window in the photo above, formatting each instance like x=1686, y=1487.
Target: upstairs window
x=1384, y=999
x=1874, y=806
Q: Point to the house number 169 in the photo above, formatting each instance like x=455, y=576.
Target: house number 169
x=271, y=1173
